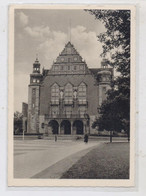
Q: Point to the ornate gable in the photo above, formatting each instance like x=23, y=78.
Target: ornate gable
x=69, y=61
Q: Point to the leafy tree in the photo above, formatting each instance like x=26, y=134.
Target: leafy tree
x=18, y=117
x=115, y=111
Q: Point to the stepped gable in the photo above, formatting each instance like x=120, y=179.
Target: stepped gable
x=69, y=61
x=73, y=51
x=69, y=54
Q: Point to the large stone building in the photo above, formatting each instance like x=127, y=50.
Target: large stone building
x=66, y=98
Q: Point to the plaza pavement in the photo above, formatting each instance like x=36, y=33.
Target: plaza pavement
x=47, y=158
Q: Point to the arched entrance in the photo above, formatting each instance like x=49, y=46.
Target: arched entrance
x=78, y=125
x=54, y=125
x=66, y=126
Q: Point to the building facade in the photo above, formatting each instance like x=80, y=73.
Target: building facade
x=66, y=98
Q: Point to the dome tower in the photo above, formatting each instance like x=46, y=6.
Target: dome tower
x=104, y=76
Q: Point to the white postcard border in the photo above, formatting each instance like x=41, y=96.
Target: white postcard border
x=68, y=182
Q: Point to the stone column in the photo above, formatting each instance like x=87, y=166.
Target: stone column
x=84, y=131
x=88, y=123
x=71, y=127
x=59, y=128
x=46, y=128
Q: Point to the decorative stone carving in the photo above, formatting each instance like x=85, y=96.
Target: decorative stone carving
x=75, y=94
x=61, y=94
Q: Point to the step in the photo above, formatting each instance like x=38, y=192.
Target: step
x=63, y=137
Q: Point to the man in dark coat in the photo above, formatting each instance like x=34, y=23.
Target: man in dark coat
x=86, y=138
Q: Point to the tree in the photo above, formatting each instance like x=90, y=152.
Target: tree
x=18, y=117
x=115, y=111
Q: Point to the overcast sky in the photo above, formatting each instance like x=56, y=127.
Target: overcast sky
x=45, y=32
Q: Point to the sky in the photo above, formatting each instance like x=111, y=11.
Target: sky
x=45, y=33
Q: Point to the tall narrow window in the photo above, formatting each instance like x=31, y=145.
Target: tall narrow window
x=82, y=93
x=33, y=100
x=55, y=93
x=68, y=94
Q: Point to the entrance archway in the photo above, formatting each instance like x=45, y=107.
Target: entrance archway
x=66, y=126
x=54, y=125
x=78, y=125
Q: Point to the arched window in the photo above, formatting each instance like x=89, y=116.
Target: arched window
x=55, y=93
x=68, y=93
x=82, y=92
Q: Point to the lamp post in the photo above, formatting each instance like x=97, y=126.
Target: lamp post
x=23, y=133
x=86, y=116
x=23, y=126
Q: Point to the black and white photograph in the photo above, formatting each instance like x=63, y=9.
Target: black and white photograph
x=71, y=95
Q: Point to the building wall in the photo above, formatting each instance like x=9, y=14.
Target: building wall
x=41, y=124
x=75, y=80
x=69, y=67
x=33, y=109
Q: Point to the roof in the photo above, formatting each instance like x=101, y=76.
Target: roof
x=94, y=70
x=69, y=61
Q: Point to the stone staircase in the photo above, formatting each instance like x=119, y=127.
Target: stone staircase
x=63, y=137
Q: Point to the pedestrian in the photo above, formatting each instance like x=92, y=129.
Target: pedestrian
x=55, y=138
x=86, y=138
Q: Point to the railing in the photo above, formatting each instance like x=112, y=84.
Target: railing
x=82, y=102
x=64, y=115
x=69, y=102
x=54, y=102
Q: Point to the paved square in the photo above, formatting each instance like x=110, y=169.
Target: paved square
x=33, y=156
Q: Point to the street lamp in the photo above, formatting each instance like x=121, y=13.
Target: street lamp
x=86, y=116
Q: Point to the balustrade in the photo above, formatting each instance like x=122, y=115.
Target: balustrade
x=64, y=115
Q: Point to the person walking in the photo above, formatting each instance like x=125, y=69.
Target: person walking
x=86, y=138
x=55, y=138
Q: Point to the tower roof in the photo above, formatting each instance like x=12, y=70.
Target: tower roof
x=36, y=62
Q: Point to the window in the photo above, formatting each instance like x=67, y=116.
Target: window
x=33, y=100
x=82, y=92
x=68, y=50
x=103, y=93
x=81, y=67
x=68, y=93
x=56, y=67
x=55, y=93
x=43, y=125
